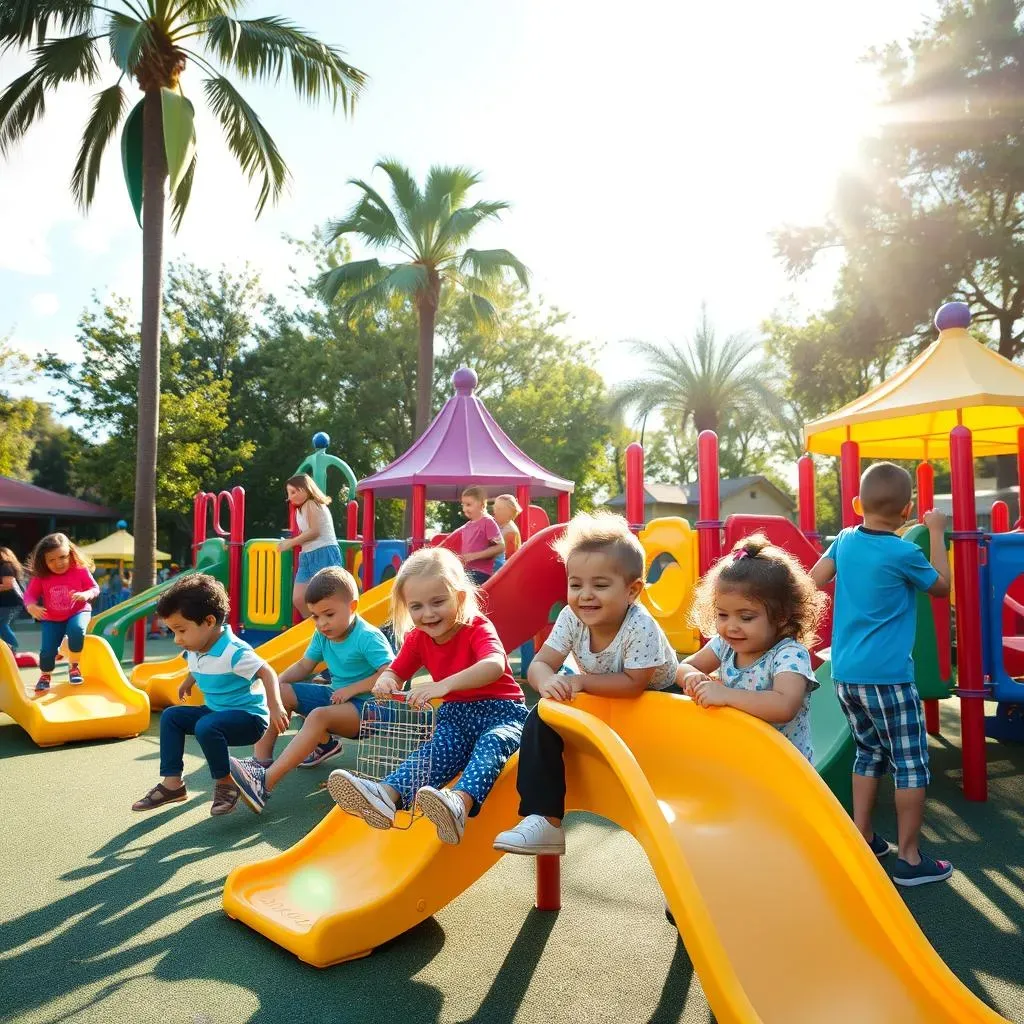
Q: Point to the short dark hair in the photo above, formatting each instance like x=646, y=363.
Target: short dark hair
x=332, y=581
x=885, y=490
x=194, y=598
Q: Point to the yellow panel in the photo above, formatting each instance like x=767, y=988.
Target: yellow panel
x=669, y=599
x=263, y=597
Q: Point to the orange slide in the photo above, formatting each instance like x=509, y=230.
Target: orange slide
x=783, y=909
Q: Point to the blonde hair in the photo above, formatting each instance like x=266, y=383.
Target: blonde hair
x=306, y=483
x=475, y=492
x=607, y=533
x=510, y=500
x=432, y=563
x=769, y=575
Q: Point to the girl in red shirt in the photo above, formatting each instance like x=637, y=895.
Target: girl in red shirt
x=437, y=620
x=59, y=596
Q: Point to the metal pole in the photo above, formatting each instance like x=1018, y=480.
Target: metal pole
x=806, y=506
x=369, y=538
x=709, y=527
x=635, y=487
x=849, y=470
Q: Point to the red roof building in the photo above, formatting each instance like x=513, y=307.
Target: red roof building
x=28, y=513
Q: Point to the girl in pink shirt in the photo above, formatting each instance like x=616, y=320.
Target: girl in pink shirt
x=59, y=597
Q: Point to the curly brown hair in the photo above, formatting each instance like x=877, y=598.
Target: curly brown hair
x=769, y=575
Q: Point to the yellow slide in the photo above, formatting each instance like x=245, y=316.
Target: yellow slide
x=785, y=912
x=161, y=679
x=105, y=706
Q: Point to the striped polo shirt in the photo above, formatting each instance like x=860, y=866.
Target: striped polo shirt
x=226, y=674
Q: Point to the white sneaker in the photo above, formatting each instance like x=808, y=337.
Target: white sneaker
x=534, y=836
x=364, y=798
x=446, y=810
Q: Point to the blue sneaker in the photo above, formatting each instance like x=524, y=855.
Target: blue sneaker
x=880, y=847
x=929, y=870
x=324, y=752
x=251, y=782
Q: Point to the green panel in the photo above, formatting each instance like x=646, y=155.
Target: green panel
x=179, y=135
x=131, y=158
x=832, y=739
x=928, y=678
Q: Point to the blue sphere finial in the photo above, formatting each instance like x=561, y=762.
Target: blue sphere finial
x=321, y=440
x=122, y=524
x=953, y=314
x=464, y=380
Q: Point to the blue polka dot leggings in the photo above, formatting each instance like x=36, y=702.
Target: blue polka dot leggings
x=475, y=737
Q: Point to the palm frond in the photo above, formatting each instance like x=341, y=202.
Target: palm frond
x=264, y=48
x=461, y=224
x=255, y=150
x=374, y=220
x=408, y=199
x=128, y=36
x=446, y=185
x=20, y=104
x=491, y=264
x=484, y=310
x=21, y=21
x=182, y=194
x=67, y=59
x=359, y=274
x=106, y=115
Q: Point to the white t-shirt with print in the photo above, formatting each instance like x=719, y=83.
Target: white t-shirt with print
x=786, y=656
x=312, y=513
x=639, y=644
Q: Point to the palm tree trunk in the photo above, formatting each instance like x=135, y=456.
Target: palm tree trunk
x=425, y=362
x=154, y=174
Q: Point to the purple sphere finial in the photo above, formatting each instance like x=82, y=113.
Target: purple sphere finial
x=953, y=314
x=465, y=381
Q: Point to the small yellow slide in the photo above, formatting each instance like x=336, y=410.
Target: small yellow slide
x=105, y=706
x=785, y=912
x=161, y=679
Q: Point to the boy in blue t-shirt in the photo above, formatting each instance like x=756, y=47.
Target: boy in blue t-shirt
x=355, y=653
x=877, y=576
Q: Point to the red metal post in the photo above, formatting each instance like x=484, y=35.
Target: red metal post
x=352, y=520
x=1000, y=520
x=709, y=527
x=236, y=542
x=564, y=511
x=925, y=490
x=968, y=615
x=635, y=486
x=523, y=497
x=549, y=883
x=805, y=504
x=419, y=517
x=139, y=646
x=369, y=538
x=849, y=472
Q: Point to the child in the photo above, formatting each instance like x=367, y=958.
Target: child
x=11, y=573
x=355, y=653
x=240, y=690
x=619, y=648
x=481, y=537
x=506, y=508
x=59, y=596
x=316, y=535
x=877, y=576
x=438, y=623
x=761, y=610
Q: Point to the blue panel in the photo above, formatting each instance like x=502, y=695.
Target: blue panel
x=388, y=555
x=1005, y=564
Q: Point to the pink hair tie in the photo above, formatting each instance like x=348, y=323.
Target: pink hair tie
x=742, y=553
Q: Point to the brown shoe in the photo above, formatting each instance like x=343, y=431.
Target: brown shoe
x=158, y=796
x=225, y=796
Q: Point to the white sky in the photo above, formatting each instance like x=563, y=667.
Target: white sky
x=648, y=151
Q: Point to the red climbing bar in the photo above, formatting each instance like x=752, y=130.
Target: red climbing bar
x=419, y=517
x=849, y=472
x=805, y=492
x=1000, y=517
x=925, y=489
x=549, y=883
x=352, y=520
x=369, y=538
x=971, y=681
x=564, y=510
x=709, y=527
x=635, y=486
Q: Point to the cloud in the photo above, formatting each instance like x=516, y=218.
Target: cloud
x=44, y=303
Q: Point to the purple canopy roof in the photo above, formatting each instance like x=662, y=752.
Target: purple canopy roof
x=463, y=446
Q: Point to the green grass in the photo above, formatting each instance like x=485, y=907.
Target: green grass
x=108, y=916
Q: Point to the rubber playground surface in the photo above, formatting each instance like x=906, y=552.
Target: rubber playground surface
x=116, y=917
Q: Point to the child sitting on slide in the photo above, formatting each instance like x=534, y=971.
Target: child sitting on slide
x=355, y=652
x=619, y=648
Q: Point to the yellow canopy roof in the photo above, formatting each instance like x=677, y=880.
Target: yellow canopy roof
x=118, y=547
x=955, y=380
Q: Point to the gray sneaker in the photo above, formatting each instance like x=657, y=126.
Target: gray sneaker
x=534, y=836
x=446, y=810
x=364, y=798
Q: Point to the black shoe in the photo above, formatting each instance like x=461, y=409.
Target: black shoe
x=668, y=916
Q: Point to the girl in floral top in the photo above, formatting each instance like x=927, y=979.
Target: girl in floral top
x=761, y=610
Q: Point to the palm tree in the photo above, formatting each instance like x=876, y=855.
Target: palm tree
x=152, y=41
x=429, y=228
x=704, y=383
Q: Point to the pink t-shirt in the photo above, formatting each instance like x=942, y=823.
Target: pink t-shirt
x=54, y=593
x=477, y=535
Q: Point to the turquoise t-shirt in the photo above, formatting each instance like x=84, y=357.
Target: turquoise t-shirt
x=226, y=674
x=359, y=654
x=875, y=619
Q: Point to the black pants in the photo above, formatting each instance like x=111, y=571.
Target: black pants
x=541, y=778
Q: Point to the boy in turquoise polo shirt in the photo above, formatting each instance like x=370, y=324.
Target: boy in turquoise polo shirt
x=355, y=653
x=877, y=576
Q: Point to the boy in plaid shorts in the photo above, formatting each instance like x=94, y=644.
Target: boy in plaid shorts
x=877, y=575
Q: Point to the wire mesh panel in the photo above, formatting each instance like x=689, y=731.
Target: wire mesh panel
x=391, y=732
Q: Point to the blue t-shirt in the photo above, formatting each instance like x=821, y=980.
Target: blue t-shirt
x=226, y=674
x=359, y=654
x=875, y=620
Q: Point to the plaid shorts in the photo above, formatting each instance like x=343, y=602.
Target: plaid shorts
x=888, y=727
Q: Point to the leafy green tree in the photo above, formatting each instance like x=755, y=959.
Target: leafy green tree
x=17, y=416
x=152, y=42
x=429, y=229
x=57, y=451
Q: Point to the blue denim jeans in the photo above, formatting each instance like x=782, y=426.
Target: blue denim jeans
x=215, y=731
x=54, y=632
x=8, y=614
